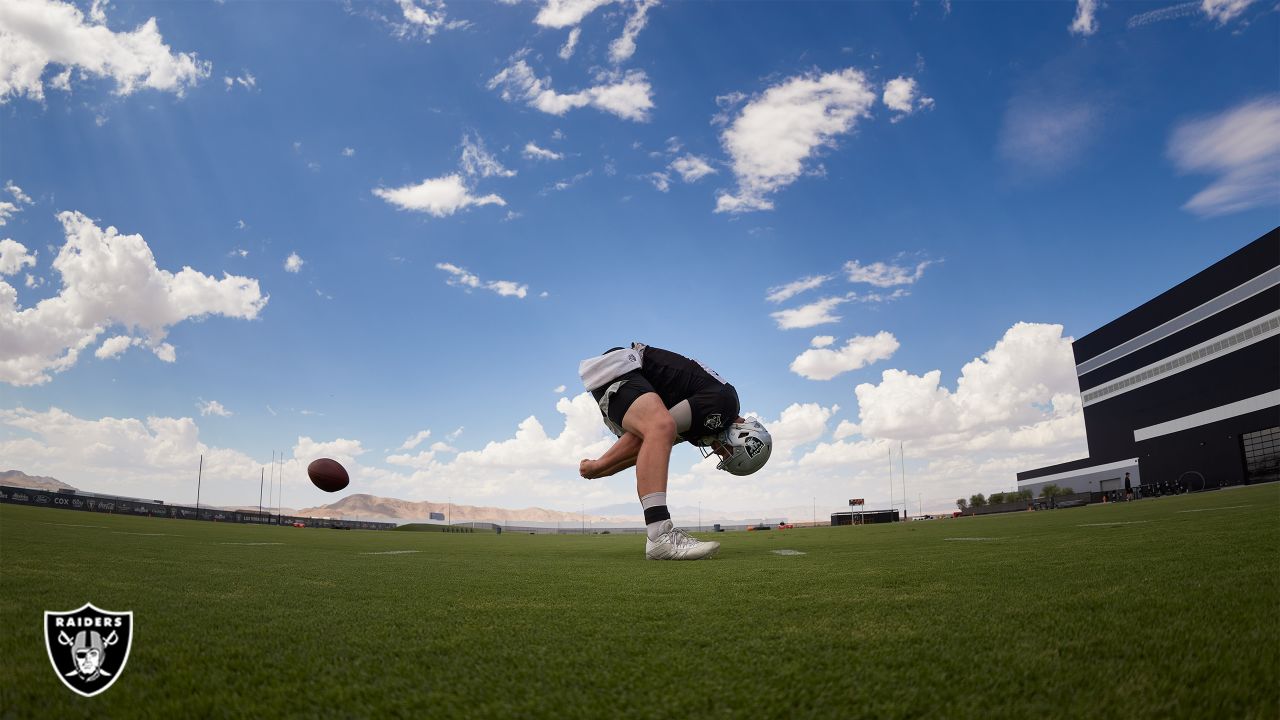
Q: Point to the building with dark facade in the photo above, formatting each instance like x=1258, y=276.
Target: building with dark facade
x=1184, y=391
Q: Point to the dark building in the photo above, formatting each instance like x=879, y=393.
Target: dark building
x=1184, y=391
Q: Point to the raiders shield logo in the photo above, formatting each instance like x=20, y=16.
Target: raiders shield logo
x=88, y=647
x=753, y=445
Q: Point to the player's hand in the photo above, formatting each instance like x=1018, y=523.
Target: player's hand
x=587, y=469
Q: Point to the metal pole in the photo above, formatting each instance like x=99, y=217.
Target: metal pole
x=890, y=477
x=271, y=489
x=199, y=479
x=280, y=490
x=902, y=463
x=261, y=477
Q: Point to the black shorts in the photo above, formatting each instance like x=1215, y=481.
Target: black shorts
x=712, y=407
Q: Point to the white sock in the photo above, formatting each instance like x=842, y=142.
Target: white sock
x=655, y=514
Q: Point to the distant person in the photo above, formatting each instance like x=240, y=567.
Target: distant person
x=652, y=399
x=1128, y=488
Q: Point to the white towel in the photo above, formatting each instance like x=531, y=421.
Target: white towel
x=599, y=370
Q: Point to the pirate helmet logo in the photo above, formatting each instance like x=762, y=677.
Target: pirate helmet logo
x=753, y=445
x=88, y=647
x=713, y=421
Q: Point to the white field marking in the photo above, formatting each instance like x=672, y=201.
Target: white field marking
x=786, y=552
x=1229, y=507
x=119, y=532
x=392, y=552
x=970, y=539
x=246, y=543
x=1126, y=522
x=100, y=527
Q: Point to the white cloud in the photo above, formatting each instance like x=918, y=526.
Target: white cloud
x=213, y=407
x=114, y=346
x=9, y=209
x=781, y=293
x=462, y=278
x=442, y=447
x=14, y=257
x=533, y=152
x=35, y=34
x=627, y=95
x=570, y=182
x=439, y=197
x=246, y=81
x=1241, y=146
x=883, y=275
x=415, y=439
x=21, y=197
x=423, y=19
x=1167, y=13
x=559, y=389
x=1086, y=21
x=1224, y=11
x=293, y=263
x=341, y=449
x=692, y=168
x=821, y=363
x=1045, y=135
x=348, y=152
x=566, y=50
x=478, y=161
x=778, y=131
x=109, y=279
x=901, y=95
x=621, y=49
x=821, y=341
x=660, y=180
x=1006, y=389
x=566, y=13
x=818, y=312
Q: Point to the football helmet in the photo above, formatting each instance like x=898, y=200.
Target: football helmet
x=743, y=447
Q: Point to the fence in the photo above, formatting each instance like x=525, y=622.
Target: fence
x=70, y=500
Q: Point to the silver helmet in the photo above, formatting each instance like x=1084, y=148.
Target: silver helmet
x=744, y=447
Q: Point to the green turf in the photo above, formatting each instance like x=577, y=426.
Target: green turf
x=1161, y=613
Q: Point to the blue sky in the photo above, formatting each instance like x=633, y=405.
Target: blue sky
x=471, y=208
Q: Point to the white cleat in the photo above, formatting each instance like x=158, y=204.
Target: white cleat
x=676, y=544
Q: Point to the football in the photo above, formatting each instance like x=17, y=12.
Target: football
x=328, y=475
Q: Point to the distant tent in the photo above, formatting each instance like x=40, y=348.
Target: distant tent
x=436, y=516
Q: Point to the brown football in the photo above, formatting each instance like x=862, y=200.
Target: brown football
x=328, y=475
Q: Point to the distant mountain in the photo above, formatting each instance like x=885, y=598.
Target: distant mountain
x=374, y=507
x=17, y=478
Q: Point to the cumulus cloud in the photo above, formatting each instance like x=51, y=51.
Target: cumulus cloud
x=821, y=341
x=415, y=439
x=35, y=34
x=660, y=180
x=627, y=95
x=567, y=13
x=293, y=263
x=480, y=162
x=777, y=132
x=1086, y=21
x=559, y=389
x=460, y=277
x=533, y=152
x=692, y=168
x=422, y=19
x=213, y=407
x=439, y=197
x=1028, y=370
x=815, y=313
x=1241, y=146
x=822, y=363
x=114, y=347
x=566, y=50
x=782, y=293
x=622, y=48
x=14, y=257
x=9, y=209
x=109, y=279
x=884, y=275
x=902, y=95
x=348, y=152
x=246, y=81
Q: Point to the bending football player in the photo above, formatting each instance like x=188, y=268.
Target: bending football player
x=652, y=399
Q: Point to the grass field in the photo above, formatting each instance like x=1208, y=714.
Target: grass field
x=1159, y=608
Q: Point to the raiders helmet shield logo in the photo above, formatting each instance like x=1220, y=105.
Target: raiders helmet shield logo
x=713, y=421
x=753, y=445
x=88, y=646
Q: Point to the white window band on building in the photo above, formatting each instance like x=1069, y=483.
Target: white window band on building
x=1253, y=332
x=1234, y=296
x=1223, y=412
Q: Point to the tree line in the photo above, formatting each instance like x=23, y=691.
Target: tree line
x=979, y=500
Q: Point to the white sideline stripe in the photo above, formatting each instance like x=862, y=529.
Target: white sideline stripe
x=786, y=552
x=100, y=527
x=1083, y=471
x=1234, y=296
x=1229, y=507
x=119, y=532
x=1212, y=415
x=392, y=552
x=1251, y=333
x=969, y=539
x=247, y=543
x=1126, y=522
